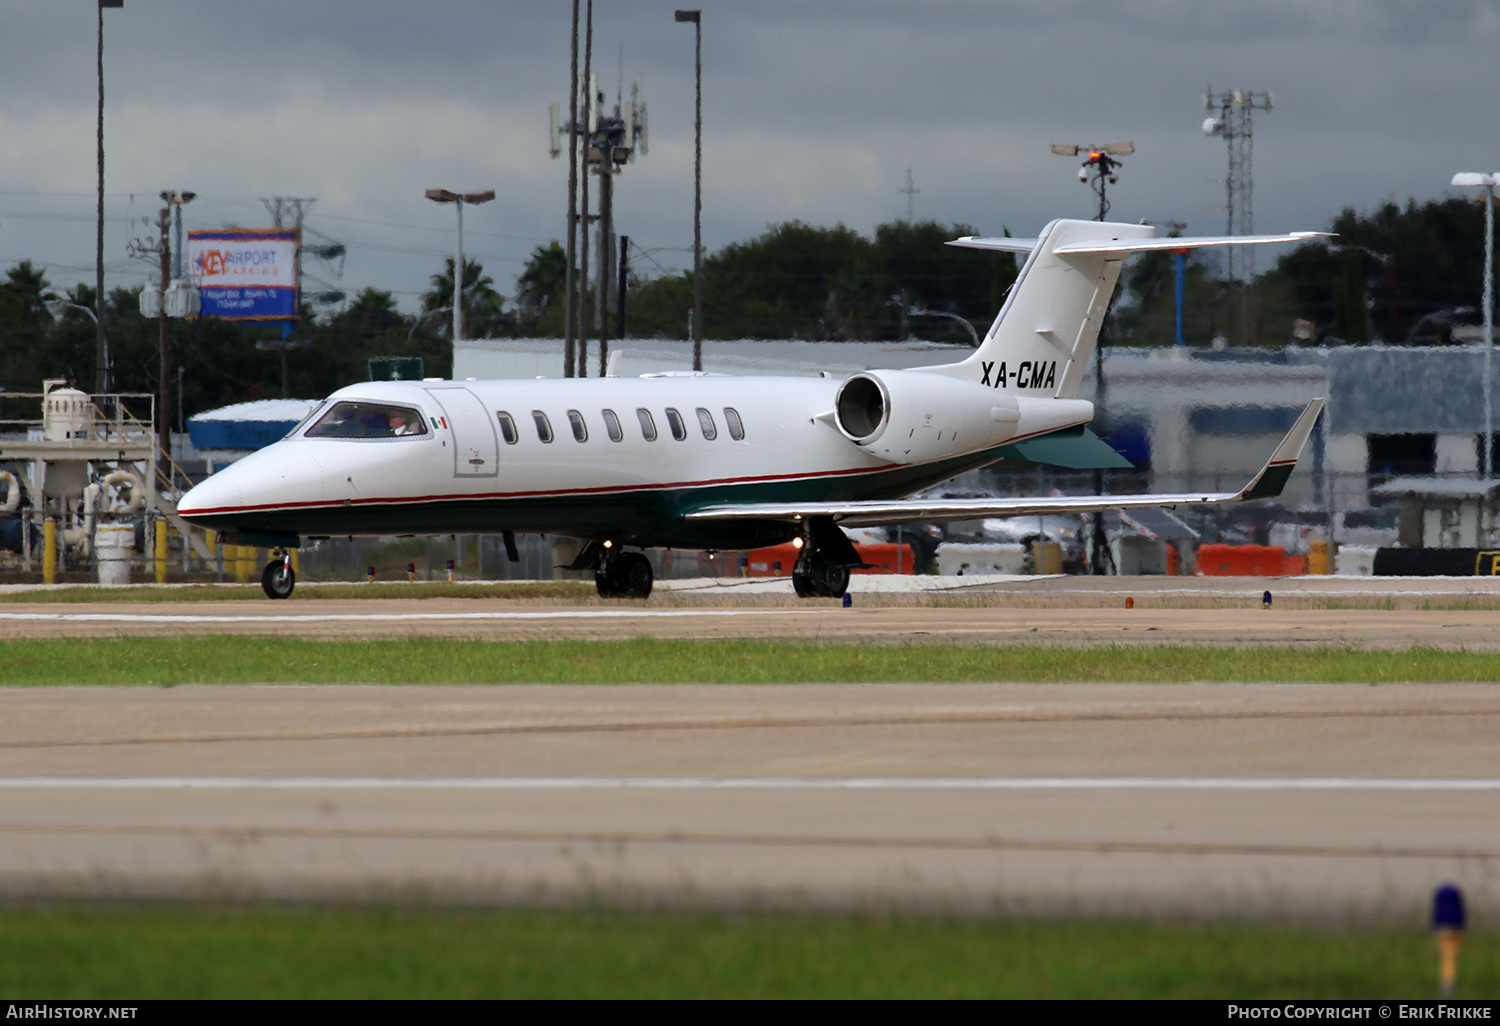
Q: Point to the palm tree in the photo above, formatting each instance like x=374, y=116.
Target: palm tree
x=373, y=311
x=30, y=286
x=479, y=295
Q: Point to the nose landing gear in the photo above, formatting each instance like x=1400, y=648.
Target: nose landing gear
x=278, y=579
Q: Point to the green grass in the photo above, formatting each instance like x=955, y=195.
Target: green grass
x=170, y=952
x=207, y=659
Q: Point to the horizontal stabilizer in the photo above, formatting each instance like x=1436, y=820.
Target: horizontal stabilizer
x=1124, y=247
x=1006, y=243
x=1265, y=485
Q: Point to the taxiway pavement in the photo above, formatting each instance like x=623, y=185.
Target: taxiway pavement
x=1299, y=802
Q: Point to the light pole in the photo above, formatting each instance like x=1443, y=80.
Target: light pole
x=1099, y=171
x=458, y=199
x=1488, y=181
x=696, y=18
x=101, y=344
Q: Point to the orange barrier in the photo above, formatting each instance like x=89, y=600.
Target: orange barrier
x=1248, y=561
x=778, y=560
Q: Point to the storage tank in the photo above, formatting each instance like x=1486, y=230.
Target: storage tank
x=67, y=414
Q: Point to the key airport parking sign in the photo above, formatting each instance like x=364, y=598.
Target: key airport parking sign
x=245, y=274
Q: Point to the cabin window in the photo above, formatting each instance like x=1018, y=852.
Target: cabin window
x=543, y=425
x=648, y=426
x=677, y=424
x=612, y=425
x=507, y=427
x=580, y=429
x=706, y=422
x=368, y=420
x=736, y=426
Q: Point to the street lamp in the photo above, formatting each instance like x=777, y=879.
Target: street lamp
x=458, y=199
x=695, y=18
x=1488, y=181
x=101, y=347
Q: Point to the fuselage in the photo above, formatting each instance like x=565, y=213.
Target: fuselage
x=601, y=458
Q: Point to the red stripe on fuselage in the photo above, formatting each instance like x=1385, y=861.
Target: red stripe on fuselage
x=395, y=501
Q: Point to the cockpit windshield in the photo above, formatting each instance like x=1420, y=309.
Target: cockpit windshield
x=367, y=420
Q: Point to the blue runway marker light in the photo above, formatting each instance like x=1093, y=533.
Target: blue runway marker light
x=848, y=600
x=1265, y=601
x=1448, y=921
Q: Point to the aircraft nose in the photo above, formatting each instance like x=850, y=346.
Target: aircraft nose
x=219, y=494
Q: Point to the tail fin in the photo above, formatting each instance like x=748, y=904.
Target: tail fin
x=1044, y=335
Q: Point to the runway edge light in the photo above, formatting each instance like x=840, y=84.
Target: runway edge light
x=1448, y=923
x=1265, y=601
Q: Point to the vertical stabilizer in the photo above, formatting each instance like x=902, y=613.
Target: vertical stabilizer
x=1044, y=335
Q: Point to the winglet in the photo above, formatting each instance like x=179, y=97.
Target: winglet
x=1272, y=477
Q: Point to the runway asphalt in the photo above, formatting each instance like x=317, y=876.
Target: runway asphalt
x=1309, y=803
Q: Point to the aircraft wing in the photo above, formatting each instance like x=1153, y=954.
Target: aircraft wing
x=1265, y=485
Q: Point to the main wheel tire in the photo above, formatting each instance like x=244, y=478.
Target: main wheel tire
x=803, y=585
x=835, y=581
x=278, y=579
x=635, y=575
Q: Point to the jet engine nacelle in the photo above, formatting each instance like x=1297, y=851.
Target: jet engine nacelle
x=917, y=417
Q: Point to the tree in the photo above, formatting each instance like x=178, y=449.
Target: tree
x=483, y=306
x=1407, y=273
x=539, y=290
x=32, y=291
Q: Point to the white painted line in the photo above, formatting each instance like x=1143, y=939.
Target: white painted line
x=597, y=614
x=752, y=783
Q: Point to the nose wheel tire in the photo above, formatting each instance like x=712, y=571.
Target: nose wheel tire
x=278, y=579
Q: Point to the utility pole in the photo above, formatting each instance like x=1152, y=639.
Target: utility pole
x=101, y=342
x=696, y=18
x=590, y=109
x=163, y=411
x=620, y=301
x=570, y=278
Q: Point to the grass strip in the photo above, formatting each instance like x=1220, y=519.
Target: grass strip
x=173, y=952
x=211, y=659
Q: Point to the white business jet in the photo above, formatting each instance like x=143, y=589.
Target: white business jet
x=706, y=461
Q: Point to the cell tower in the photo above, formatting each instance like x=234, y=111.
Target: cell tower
x=1234, y=122
x=609, y=140
x=911, y=191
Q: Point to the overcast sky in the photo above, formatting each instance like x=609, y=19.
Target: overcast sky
x=813, y=110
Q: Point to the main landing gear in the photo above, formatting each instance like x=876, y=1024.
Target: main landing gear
x=822, y=568
x=278, y=579
x=623, y=575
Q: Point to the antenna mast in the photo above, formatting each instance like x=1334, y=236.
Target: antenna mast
x=1234, y=121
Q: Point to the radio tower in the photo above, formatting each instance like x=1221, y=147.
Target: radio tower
x=1234, y=121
